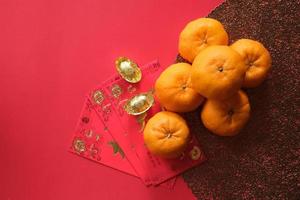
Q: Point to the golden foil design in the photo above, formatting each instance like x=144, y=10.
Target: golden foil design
x=116, y=91
x=106, y=109
x=79, y=145
x=89, y=133
x=195, y=153
x=128, y=70
x=131, y=89
x=97, y=137
x=93, y=151
x=139, y=104
x=98, y=97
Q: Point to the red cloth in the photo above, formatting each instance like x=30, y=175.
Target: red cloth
x=51, y=53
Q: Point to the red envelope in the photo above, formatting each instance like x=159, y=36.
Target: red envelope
x=108, y=100
x=93, y=141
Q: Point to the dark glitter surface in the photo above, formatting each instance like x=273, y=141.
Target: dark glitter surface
x=263, y=161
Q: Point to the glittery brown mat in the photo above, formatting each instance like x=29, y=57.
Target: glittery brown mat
x=263, y=162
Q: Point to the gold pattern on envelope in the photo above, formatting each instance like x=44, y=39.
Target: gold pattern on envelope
x=139, y=104
x=106, y=109
x=131, y=89
x=98, y=97
x=93, y=150
x=79, y=145
x=128, y=70
x=116, y=91
x=89, y=133
x=97, y=137
x=195, y=153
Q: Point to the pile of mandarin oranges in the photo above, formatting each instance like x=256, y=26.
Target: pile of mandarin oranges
x=213, y=80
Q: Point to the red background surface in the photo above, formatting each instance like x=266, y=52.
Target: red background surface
x=51, y=53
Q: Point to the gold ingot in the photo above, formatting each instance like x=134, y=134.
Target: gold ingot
x=139, y=104
x=128, y=70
